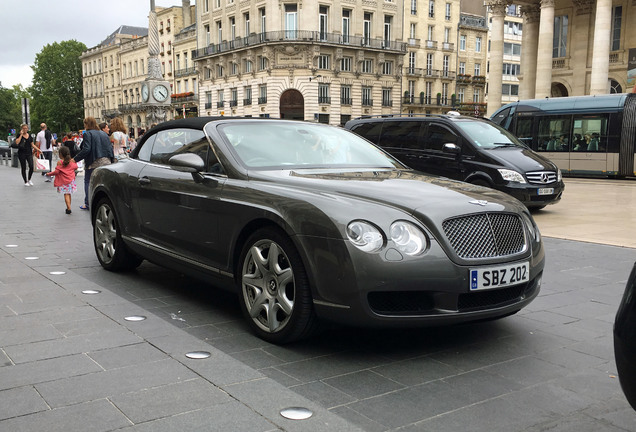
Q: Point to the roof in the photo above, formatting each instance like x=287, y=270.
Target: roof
x=125, y=30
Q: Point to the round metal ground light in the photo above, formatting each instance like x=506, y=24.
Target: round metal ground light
x=135, y=318
x=296, y=413
x=90, y=291
x=198, y=355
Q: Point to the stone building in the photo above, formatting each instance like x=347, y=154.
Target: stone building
x=569, y=48
x=323, y=61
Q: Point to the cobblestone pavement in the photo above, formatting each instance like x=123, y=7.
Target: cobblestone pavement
x=70, y=361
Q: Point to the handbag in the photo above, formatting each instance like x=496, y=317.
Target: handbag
x=41, y=164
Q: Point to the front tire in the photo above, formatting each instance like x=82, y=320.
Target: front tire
x=111, y=251
x=274, y=288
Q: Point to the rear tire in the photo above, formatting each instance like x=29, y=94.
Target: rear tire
x=274, y=288
x=111, y=251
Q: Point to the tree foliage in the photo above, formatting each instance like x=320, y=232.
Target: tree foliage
x=57, y=97
x=10, y=109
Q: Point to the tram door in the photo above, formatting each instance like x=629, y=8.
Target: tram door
x=628, y=137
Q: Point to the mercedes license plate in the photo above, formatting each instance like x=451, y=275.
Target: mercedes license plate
x=493, y=277
x=545, y=191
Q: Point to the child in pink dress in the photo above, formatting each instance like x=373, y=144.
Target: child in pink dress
x=65, y=176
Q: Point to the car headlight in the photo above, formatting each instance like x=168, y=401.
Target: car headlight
x=365, y=236
x=512, y=176
x=408, y=238
x=533, y=229
x=559, y=175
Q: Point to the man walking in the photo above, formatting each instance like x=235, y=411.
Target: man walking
x=43, y=140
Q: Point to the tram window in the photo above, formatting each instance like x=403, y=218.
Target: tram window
x=554, y=133
x=502, y=118
x=523, y=131
x=590, y=133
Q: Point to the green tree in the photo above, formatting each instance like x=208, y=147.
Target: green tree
x=57, y=96
x=10, y=110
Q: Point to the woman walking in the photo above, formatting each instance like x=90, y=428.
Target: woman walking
x=119, y=138
x=25, y=146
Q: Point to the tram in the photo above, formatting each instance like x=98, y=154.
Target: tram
x=583, y=135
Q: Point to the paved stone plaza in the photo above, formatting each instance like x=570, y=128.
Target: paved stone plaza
x=71, y=362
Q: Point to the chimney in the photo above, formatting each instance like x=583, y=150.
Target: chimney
x=187, y=18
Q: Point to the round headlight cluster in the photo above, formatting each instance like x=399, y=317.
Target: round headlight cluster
x=365, y=236
x=533, y=229
x=408, y=238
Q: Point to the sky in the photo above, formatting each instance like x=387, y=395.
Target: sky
x=30, y=25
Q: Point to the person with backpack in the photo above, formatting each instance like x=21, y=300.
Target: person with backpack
x=44, y=140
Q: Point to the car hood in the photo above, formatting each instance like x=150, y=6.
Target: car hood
x=524, y=159
x=411, y=191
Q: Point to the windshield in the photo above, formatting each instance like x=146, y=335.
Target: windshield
x=276, y=144
x=487, y=135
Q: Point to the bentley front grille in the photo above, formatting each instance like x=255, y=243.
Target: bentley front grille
x=486, y=235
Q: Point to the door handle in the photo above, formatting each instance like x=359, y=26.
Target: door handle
x=144, y=181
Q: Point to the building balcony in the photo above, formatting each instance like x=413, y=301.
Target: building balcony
x=233, y=103
x=324, y=100
x=387, y=103
x=110, y=113
x=299, y=36
x=367, y=102
x=247, y=101
x=430, y=44
x=262, y=100
x=208, y=105
x=183, y=98
x=447, y=75
x=479, y=80
x=131, y=107
x=463, y=79
x=413, y=71
x=346, y=101
x=448, y=46
x=414, y=43
x=220, y=104
x=185, y=72
x=561, y=63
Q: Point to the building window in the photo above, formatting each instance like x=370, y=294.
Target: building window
x=219, y=71
x=476, y=96
x=462, y=68
x=219, y=32
x=447, y=34
x=477, y=69
x=413, y=7
x=617, y=16
x=345, y=95
x=429, y=34
x=445, y=65
x=366, y=96
x=233, y=97
x=431, y=8
x=248, y=66
x=411, y=68
x=388, y=21
x=261, y=13
x=246, y=20
x=367, y=66
x=220, y=99
x=323, y=94
x=386, y=97
x=511, y=69
x=478, y=44
x=247, y=95
x=560, y=36
x=234, y=69
x=461, y=94
x=324, y=61
x=387, y=68
x=262, y=93
x=429, y=64
x=448, y=12
x=366, y=28
x=513, y=28
x=510, y=90
x=445, y=93
x=411, y=92
x=263, y=63
x=512, y=49
x=291, y=21
x=322, y=22
x=413, y=31
x=345, y=64
x=206, y=30
x=346, y=25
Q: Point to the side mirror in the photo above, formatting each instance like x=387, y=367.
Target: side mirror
x=452, y=148
x=187, y=162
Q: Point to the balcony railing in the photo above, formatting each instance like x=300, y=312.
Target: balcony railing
x=233, y=103
x=247, y=101
x=208, y=105
x=184, y=99
x=220, y=104
x=324, y=99
x=346, y=101
x=413, y=71
x=387, y=103
x=183, y=72
x=262, y=100
x=300, y=36
x=367, y=102
x=430, y=44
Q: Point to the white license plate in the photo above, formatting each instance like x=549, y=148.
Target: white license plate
x=545, y=191
x=499, y=276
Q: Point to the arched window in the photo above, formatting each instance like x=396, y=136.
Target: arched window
x=615, y=87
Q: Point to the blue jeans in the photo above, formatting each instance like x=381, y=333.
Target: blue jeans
x=87, y=181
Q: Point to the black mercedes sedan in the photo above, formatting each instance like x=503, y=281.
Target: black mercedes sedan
x=625, y=340
x=309, y=222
